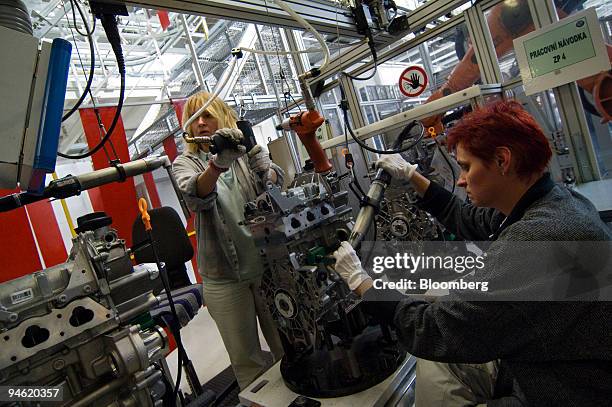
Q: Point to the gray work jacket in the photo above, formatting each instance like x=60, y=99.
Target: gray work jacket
x=216, y=255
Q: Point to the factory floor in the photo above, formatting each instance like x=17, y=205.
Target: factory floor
x=204, y=347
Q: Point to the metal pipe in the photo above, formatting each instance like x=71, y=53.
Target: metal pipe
x=178, y=192
x=143, y=273
x=74, y=185
x=112, y=174
x=98, y=393
x=194, y=55
x=269, y=67
x=131, y=313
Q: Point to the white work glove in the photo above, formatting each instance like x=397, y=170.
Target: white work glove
x=259, y=160
x=349, y=266
x=225, y=158
x=396, y=166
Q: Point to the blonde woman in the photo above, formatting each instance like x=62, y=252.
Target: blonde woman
x=216, y=188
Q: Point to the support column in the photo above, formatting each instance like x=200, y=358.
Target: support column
x=194, y=55
x=573, y=119
x=270, y=72
x=482, y=44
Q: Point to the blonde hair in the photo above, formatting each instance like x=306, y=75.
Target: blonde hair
x=225, y=115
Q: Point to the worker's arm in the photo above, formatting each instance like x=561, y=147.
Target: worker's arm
x=455, y=331
x=262, y=165
x=462, y=219
x=272, y=176
x=419, y=183
x=207, y=180
x=188, y=170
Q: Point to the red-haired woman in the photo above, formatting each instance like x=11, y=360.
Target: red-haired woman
x=555, y=353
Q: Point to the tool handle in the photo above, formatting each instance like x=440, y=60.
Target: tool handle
x=305, y=125
x=144, y=215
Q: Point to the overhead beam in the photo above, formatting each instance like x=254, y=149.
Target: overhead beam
x=325, y=17
x=401, y=119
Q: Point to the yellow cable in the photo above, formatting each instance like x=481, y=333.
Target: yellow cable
x=66, y=211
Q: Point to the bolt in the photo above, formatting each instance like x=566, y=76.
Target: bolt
x=113, y=365
x=87, y=289
x=59, y=364
x=62, y=298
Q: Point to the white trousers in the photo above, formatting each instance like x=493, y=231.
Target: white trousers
x=235, y=308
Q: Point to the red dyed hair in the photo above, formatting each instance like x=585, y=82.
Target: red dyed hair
x=503, y=124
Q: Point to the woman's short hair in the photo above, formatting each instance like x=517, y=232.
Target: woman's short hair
x=225, y=115
x=503, y=124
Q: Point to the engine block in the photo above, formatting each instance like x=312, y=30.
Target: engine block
x=332, y=347
x=71, y=326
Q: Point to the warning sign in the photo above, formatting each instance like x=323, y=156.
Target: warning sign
x=413, y=81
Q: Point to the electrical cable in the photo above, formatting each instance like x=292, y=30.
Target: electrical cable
x=101, y=128
x=288, y=94
x=87, y=32
x=308, y=27
x=408, y=128
x=374, y=59
x=220, y=85
x=109, y=22
x=355, y=78
x=175, y=326
x=450, y=165
x=92, y=66
x=356, y=193
x=102, y=131
x=174, y=323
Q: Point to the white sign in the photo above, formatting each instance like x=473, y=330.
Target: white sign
x=562, y=52
x=413, y=81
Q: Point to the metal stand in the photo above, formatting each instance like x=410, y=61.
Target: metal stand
x=269, y=390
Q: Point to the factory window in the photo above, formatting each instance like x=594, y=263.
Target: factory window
x=380, y=96
x=337, y=45
x=508, y=20
x=601, y=133
x=370, y=114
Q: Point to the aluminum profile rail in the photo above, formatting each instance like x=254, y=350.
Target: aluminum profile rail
x=420, y=112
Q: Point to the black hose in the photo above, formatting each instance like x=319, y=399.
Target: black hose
x=74, y=3
x=355, y=78
x=450, y=166
x=374, y=58
x=91, y=67
x=403, y=135
x=109, y=22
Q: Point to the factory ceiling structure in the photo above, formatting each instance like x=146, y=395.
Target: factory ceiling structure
x=170, y=55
